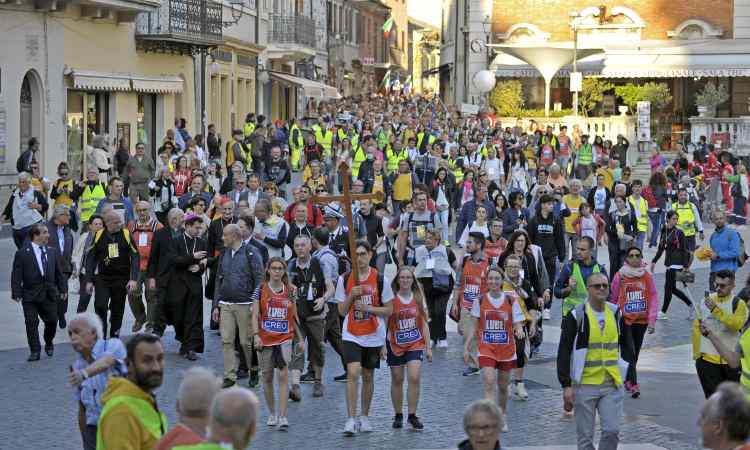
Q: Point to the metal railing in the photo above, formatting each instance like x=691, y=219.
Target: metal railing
x=291, y=29
x=188, y=20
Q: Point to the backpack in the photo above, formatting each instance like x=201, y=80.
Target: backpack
x=743, y=254
x=409, y=220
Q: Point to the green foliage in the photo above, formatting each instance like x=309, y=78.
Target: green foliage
x=507, y=98
x=656, y=93
x=712, y=95
x=592, y=94
x=540, y=113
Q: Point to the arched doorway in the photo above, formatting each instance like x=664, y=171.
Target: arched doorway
x=31, y=108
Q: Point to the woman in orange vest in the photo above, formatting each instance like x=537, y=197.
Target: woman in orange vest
x=274, y=321
x=495, y=317
x=634, y=292
x=408, y=331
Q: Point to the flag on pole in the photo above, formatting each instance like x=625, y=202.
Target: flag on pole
x=407, y=85
x=387, y=26
x=386, y=83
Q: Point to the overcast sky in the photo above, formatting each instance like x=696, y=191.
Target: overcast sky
x=425, y=11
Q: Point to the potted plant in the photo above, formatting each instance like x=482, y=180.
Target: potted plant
x=709, y=98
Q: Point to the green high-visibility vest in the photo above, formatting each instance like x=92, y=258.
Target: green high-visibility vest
x=89, y=200
x=357, y=159
x=248, y=129
x=579, y=294
x=585, y=155
x=152, y=420
x=394, y=158
x=300, y=142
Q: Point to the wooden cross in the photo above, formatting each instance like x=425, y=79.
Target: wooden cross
x=346, y=200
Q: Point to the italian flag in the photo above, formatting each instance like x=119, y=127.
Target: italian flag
x=386, y=83
x=407, y=85
x=387, y=27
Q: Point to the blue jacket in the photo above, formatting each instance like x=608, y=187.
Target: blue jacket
x=469, y=214
x=725, y=243
x=127, y=205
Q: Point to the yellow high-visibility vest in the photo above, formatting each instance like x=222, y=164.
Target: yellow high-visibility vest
x=603, y=350
x=641, y=213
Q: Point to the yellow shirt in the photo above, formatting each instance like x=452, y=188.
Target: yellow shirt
x=609, y=177
x=377, y=185
x=573, y=204
x=402, y=188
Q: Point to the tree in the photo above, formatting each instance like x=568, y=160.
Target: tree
x=592, y=94
x=656, y=93
x=507, y=98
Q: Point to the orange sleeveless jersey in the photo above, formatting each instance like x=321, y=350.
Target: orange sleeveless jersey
x=405, y=327
x=360, y=323
x=473, y=281
x=275, y=317
x=633, y=300
x=495, y=330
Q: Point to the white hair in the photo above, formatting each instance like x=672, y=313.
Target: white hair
x=60, y=210
x=24, y=176
x=92, y=320
x=196, y=392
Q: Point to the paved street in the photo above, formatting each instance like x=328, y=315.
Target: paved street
x=664, y=416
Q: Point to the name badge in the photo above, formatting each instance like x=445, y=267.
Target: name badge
x=113, y=250
x=142, y=240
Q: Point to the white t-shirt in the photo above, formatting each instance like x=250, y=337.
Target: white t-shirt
x=376, y=339
x=588, y=227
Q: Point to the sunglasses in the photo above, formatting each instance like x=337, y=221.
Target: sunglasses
x=599, y=286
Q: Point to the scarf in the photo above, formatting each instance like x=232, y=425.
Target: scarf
x=632, y=272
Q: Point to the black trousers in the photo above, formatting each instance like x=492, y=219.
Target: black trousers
x=110, y=296
x=32, y=312
x=186, y=311
x=633, y=341
x=551, y=265
x=62, y=304
x=437, y=304
x=616, y=256
x=83, y=297
x=160, y=318
x=670, y=288
x=333, y=331
x=712, y=375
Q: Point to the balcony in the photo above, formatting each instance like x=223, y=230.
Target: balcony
x=180, y=26
x=291, y=36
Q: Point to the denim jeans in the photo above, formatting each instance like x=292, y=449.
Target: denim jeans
x=640, y=237
x=443, y=215
x=657, y=220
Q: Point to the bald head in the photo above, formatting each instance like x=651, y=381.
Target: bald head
x=196, y=392
x=234, y=414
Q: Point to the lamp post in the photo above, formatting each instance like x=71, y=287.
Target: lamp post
x=574, y=16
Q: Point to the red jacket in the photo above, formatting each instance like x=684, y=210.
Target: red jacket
x=314, y=215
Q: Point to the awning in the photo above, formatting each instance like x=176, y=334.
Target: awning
x=508, y=66
x=310, y=88
x=100, y=81
x=157, y=85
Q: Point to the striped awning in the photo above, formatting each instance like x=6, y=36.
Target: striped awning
x=157, y=85
x=310, y=88
x=100, y=81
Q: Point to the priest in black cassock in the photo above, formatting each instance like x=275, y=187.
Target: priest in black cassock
x=185, y=292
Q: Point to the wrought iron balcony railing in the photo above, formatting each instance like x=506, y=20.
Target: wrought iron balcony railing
x=291, y=29
x=196, y=22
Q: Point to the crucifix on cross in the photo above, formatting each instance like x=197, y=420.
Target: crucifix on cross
x=346, y=200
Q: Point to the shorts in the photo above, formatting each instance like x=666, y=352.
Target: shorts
x=499, y=365
x=280, y=360
x=394, y=360
x=368, y=357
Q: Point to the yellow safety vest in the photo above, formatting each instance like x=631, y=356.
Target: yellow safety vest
x=573, y=205
x=248, y=129
x=325, y=141
x=641, y=213
x=745, y=361
x=230, y=154
x=402, y=187
x=357, y=159
x=64, y=199
x=89, y=200
x=152, y=420
x=458, y=171
x=420, y=136
x=603, y=350
x=394, y=158
x=300, y=142
x=685, y=218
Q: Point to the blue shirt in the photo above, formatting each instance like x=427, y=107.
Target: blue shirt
x=725, y=243
x=89, y=392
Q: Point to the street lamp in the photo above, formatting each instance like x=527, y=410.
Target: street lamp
x=238, y=10
x=574, y=17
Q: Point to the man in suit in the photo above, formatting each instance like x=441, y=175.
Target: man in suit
x=38, y=283
x=61, y=239
x=160, y=265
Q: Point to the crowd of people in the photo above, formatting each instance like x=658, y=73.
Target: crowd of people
x=483, y=224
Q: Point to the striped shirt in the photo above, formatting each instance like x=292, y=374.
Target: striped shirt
x=89, y=392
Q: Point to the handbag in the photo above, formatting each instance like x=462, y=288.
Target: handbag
x=441, y=282
x=684, y=276
x=391, y=269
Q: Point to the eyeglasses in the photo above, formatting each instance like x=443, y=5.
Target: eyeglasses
x=599, y=286
x=481, y=428
x=62, y=174
x=513, y=267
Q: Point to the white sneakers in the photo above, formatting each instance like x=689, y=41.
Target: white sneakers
x=546, y=315
x=691, y=314
x=520, y=392
x=272, y=421
x=662, y=316
x=504, y=429
x=364, y=425
x=350, y=428
x=283, y=424
x=442, y=343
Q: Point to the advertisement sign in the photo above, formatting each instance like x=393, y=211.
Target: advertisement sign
x=644, y=121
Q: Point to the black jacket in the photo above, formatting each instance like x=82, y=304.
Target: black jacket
x=125, y=266
x=278, y=172
x=547, y=234
x=674, y=243
x=182, y=280
x=160, y=259
x=23, y=163
x=28, y=284
x=66, y=260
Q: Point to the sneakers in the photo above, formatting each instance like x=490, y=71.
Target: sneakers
x=254, y=379
x=318, y=389
x=504, y=429
x=364, y=425
x=520, y=392
x=295, y=393
x=628, y=387
x=691, y=314
x=309, y=377
x=283, y=424
x=442, y=343
x=350, y=428
x=227, y=383
x=546, y=314
x=272, y=421
x=662, y=316
x=635, y=390
x=398, y=421
x=340, y=378
x=470, y=371
x=415, y=423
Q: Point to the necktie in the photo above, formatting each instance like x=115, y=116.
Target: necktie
x=61, y=240
x=44, y=260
